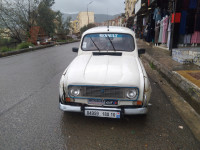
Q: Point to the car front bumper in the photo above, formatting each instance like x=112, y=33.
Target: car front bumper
x=126, y=111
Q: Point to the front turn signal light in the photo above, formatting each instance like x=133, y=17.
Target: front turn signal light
x=139, y=103
x=67, y=99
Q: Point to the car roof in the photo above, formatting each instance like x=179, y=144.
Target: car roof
x=110, y=29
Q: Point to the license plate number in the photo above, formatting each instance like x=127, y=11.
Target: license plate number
x=101, y=113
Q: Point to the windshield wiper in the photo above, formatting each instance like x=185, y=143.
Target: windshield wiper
x=111, y=43
x=94, y=44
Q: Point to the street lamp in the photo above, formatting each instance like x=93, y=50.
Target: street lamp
x=87, y=10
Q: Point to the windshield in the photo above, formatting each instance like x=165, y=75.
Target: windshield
x=108, y=42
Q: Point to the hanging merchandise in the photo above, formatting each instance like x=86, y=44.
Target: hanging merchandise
x=152, y=28
x=187, y=38
x=197, y=22
x=190, y=22
x=165, y=27
x=177, y=18
x=176, y=35
x=144, y=21
x=185, y=4
x=183, y=22
x=161, y=32
x=145, y=32
x=195, y=37
x=169, y=33
x=197, y=18
x=193, y=4
x=157, y=31
x=157, y=14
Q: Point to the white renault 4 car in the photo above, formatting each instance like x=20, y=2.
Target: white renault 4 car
x=107, y=78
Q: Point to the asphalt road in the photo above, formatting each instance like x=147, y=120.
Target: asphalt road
x=30, y=117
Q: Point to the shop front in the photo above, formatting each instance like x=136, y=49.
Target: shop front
x=173, y=24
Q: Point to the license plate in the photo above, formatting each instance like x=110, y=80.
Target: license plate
x=101, y=113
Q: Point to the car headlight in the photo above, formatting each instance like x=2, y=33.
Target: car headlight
x=75, y=91
x=132, y=93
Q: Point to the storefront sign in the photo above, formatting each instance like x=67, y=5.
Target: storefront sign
x=137, y=6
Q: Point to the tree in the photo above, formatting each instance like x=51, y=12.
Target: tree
x=18, y=16
x=63, y=26
x=46, y=17
x=86, y=27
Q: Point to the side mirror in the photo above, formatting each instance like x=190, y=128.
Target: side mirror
x=141, y=51
x=75, y=49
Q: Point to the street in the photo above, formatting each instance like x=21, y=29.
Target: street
x=30, y=117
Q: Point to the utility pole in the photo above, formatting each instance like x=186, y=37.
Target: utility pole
x=87, y=10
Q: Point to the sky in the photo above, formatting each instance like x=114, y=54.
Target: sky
x=110, y=7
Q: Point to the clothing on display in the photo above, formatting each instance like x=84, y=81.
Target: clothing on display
x=145, y=31
x=176, y=35
x=177, y=17
x=183, y=22
x=144, y=21
x=161, y=32
x=187, y=38
x=197, y=22
x=197, y=18
x=157, y=14
x=185, y=4
x=158, y=23
x=165, y=27
x=195, y=37
x=190, y=21
x=193, y=4
x=169, y=33
x=157, y=31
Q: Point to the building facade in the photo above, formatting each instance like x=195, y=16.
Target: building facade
x=75, y=26
x=129, y=8
x=84, y=18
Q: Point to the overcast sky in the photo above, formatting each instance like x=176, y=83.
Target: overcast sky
x=97, y=6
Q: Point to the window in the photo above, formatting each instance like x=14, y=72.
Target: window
x=108, y=42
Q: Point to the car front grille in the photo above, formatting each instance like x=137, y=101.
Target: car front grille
x=102, y=92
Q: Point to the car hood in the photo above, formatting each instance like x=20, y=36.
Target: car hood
x=87, y=69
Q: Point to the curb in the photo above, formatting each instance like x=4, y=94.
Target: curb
x=189, y=90
x=33, y=49
x=186, y=111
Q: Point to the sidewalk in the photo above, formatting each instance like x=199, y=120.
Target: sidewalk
x=185, y=78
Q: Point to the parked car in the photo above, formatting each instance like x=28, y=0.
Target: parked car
x=107, y=78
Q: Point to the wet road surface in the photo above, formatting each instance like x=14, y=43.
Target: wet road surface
x=30, y=117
